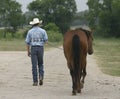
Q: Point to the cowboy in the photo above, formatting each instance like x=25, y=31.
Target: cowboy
x=35, y=40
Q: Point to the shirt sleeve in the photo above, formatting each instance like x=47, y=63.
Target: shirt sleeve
x=27, y=40
x=45, y=36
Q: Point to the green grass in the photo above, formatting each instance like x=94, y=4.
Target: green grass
x=12, y=45
x=50, y=45
x=19, y=45
x=107, y=52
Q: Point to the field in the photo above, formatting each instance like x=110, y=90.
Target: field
x=12, y=45
x=107, y=53
x=20, y=45
x=18, y=42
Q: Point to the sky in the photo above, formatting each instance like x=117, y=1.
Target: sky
x=81, y=4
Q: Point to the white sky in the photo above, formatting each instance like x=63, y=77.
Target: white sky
x=81, y=4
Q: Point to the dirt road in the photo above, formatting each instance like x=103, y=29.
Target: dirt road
x=16, y=79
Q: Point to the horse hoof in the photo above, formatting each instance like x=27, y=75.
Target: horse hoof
x=79, y=91
x=81, y=85
x=73, y=93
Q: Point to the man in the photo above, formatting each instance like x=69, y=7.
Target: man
x=35, y=39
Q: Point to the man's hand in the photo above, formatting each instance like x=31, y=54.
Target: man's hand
x=29, y=53
x=28, y=50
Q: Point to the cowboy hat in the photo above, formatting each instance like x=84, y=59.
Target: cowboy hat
x=35, y=21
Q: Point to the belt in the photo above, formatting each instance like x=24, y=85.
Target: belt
x=37, y=46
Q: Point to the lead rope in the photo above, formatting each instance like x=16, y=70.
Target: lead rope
x=54, y=46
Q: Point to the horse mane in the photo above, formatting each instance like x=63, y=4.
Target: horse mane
x=85, y=31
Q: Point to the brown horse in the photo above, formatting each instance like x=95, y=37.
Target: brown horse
x=77, y=43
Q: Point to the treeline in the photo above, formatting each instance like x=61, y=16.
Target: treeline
x=10, y=16
x=58, y=12
x=104, y=17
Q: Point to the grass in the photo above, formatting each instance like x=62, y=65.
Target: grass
x=19, y=45
x=12, y=45
x=107, y=52
x=53, y=45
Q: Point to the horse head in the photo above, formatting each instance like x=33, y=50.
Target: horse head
x=89, y=35
x=90, y=42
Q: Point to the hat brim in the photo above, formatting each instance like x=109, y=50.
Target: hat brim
x=32, y=22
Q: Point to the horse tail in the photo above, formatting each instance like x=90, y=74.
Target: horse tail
x=76, y=54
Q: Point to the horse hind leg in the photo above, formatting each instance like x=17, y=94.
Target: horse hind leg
x=84, y=74
x=74, y=86
x=79, y=87
x=83, y=78
x=79, y=84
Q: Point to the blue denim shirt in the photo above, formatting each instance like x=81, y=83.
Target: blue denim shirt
x=36, y=36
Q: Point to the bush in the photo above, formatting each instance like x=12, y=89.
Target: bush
x=54, y=36
x=52, y=27
x=1, y=33
x=25, y=32
x=53, y=32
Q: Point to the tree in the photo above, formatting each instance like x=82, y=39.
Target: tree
x=60, y=12
x=15, y=15
x=107, y=15
x=116, y=17
x=11, y=14
x=94, y=9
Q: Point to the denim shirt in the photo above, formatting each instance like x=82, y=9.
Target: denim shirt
x=36, y=37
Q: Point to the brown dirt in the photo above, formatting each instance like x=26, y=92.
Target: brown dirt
x=16, y=79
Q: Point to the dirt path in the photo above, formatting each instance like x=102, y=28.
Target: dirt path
x=16, y=79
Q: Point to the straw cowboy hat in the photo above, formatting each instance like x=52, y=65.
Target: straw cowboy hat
x=35, y=21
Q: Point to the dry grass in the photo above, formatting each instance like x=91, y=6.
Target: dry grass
x=19, y=45
x=107, y=52
x=12, y=45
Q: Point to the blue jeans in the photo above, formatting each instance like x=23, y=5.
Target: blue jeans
x=37, y=53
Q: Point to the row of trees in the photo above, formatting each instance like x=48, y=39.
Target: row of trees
x=60, y=12
x=10, y=15
x=104, y=17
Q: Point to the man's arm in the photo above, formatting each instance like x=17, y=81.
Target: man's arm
x=28, y=50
